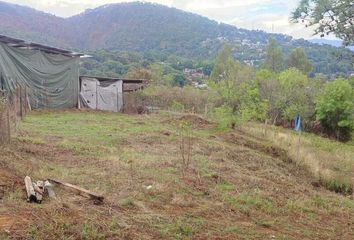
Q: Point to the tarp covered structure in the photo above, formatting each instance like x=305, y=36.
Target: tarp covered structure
x=51, y=79
x=102, y=95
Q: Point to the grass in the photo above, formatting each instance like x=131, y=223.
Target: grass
x=181, y=228
x=331, y=162
x=246, y=202
x=231, y=190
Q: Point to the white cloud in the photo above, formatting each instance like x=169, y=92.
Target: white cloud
x=267, y=15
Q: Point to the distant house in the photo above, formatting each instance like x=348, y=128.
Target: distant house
x=49, y=75
x=194, y=74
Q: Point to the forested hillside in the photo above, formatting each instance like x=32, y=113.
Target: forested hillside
x=145, y=27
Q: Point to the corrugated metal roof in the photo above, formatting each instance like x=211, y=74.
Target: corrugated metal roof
x=18, y=43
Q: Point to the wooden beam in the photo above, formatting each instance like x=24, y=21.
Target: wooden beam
x=78, y=189
x=31, y=194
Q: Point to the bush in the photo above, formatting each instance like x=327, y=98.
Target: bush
x=179, y=80
x=170, y=98
x=335, y=109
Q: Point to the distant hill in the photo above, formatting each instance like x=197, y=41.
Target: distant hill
x=144, y=27
x=334, y=43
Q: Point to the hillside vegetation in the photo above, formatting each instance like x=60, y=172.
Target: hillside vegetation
x=144, y=27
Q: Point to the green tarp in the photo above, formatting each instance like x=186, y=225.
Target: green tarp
x=51, y=80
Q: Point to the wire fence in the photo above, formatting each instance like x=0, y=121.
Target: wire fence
x=13, y=107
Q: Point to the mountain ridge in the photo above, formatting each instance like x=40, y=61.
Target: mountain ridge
x=142, y=27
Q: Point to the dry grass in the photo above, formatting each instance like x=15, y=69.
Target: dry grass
x=236, y=187
x=187, y=99
x=331, y=162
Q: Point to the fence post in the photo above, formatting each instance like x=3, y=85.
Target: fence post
x=25, y=98
x=21, y=104
x=8, y=125
x=96, y=94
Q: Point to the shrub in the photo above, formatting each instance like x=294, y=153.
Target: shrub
x=335, y=109
x=175, y=98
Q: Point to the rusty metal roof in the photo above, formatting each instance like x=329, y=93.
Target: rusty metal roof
x=125, y=81
x=18, y=43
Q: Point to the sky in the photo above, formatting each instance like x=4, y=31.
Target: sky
x=269, y=15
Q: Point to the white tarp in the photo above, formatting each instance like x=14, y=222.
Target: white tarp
x=98, y=95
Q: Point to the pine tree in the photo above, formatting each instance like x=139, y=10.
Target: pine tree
x=298, y=59
x=274, y=58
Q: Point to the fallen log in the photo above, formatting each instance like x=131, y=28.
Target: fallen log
x=49, y=187
x=78, y=189
x=38, y=188
x=31, y=194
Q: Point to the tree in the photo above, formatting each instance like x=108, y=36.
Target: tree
x=298, y=59
x=240, y=99
x=179, y=80
x=223, y=64
x=335, y=109
x=139, y=73
x=328, y=17
x=274, y=57
x=296, y=95
x=269, y=89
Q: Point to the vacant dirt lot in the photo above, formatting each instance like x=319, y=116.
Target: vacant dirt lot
x=235, y=187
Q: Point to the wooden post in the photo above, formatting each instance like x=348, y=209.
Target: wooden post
x=21, y=103
x=29, y=103
x=25, y=98
x=117, y=99
x=96, y=94
x=298, y=146
x=8, y=124
x=31, y=194
x=265, y=128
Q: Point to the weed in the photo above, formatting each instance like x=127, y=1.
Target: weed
x=182, y=228
x=127, y=202
x=224, y=186
x=51, y=231
x=33, y=140
x=265, y=223
x=246, y=201
x=16, y=196
x=232, y=229
x=90, y=231
x=338, y=184
x=329, y=161
x=186, y=145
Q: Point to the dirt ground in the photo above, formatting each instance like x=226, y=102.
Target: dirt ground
x=236, y=187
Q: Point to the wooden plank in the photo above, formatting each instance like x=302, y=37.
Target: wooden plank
x=38, y=192
x=31, y=194
x=49, y=187
x=78, y=189
x=39, y=189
